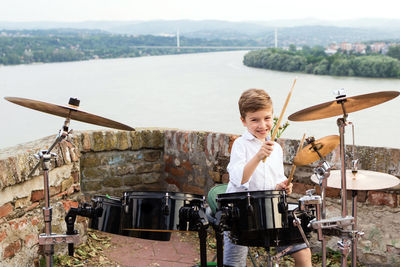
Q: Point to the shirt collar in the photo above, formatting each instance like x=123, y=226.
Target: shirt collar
x=248, y=136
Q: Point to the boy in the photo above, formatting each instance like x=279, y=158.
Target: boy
x=248, y=172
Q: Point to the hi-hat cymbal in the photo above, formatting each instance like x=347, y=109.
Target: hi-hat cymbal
x=324, y=146
x=362, y=180
x=351, y=104
x=68, y=112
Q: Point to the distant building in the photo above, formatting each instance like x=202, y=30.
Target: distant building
x=377, y=47
x=346, y=46
x=360, y=48
x=330, y=51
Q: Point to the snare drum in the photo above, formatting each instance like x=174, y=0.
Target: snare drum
x=255, y=216
x=109, y=221
x=154, y=215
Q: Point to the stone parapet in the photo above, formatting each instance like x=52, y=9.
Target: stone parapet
x=112, y=162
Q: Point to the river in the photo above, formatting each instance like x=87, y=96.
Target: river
x=189, y=91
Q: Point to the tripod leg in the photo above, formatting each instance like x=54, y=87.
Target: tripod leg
x=219, y=236
x=253, y=261
x=203, y=247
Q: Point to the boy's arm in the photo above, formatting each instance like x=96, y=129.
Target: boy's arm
x=250, y=167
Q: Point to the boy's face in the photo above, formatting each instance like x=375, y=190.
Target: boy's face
x=259, y=123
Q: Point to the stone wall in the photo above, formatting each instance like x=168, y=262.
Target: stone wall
x=22, y=199
x=112, y=162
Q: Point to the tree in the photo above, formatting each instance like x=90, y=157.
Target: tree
x=394, y=52
x=292, y=48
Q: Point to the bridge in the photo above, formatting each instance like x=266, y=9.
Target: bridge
x=200, y=47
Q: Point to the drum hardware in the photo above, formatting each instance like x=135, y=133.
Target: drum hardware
x=332, y=222
x=165, y=205
x=297, y=223
x=198, y=219
x=249, y=206
x=342, y=106
x=317, y=150
x=84, y=210
x=293, y=169
x=309, y=200
x=277, y=257
x=48, y=239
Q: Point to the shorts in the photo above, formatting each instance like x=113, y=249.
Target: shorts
x=236, y=255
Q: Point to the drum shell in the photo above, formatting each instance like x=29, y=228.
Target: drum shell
x=109, y=221
x=257, y=216
x=156, y=211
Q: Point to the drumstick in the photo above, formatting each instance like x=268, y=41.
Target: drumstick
x=278, y=123
x=294, y=166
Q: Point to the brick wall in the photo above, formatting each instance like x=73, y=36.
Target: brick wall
x=22, y=199
x=112, y=162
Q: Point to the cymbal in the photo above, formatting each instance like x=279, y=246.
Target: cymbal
x=351, y=104
x=324, y=146
x=362, y=180
x=68, y=112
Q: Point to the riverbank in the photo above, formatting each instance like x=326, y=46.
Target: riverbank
x=316, y=61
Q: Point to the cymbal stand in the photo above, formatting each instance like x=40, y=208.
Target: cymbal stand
x=48, y=239
x=344, y=245
x=322, y=171
x=354, y=193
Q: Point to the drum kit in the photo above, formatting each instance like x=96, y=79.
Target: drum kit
x=256, y=218
x=344, y=179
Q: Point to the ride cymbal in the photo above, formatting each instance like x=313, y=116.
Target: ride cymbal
x=324, y=146
x=68, y=112
x=361, y=180
x=334, y=108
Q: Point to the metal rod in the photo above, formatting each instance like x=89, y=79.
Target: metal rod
x=219, y=237
x=342, y=123
x=203, y=246
x=45, y=158
x=323, y=214
x=47, y=212
x=354, y=227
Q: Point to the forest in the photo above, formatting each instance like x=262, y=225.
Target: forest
x=33, y=46
x=316, y=61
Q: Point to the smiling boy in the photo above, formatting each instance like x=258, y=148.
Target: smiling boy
x=248, y=172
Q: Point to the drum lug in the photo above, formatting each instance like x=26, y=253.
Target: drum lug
x=250, y=208
x=165, y=207
x=125, y=206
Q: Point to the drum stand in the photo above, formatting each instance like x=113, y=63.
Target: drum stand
x=344, y=221
x=48, y=239
x=195, y=217
x=344, y=245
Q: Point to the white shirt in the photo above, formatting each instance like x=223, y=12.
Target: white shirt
x=267, y=174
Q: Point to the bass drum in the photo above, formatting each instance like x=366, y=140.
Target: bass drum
x=154, y=215
x=109, y=220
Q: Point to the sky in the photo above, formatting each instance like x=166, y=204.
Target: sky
x=231, y=10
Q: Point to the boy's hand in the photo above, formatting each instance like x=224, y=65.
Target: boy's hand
x=285, y=186
x=265, y=150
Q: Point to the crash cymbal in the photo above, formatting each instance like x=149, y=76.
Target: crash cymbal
x=68, y=112
x=334, y=108
x=324, y=146
x=362, y=180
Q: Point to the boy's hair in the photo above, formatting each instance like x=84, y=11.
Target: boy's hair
x=253, y=100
